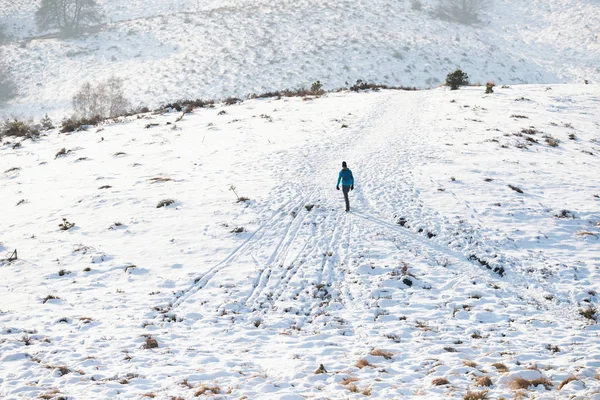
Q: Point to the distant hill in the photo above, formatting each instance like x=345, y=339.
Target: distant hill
x=171, y=50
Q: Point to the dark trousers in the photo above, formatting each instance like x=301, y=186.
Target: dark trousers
x=346, y=190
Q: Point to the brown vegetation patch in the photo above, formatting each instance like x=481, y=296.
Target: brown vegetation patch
x=500, y=367
x=482, y=395
x=363, y=363
x=566, y=381
x=484, y=381
x=440, y=381
x=381, y=353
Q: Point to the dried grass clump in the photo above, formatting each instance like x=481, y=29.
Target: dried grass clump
x=150, y=343
x=206, y=390
x=165, y=203
x=470, y=363
x=482, y=395
x=352, y=387
x=381, y=353
x=363, y=363
x=159, y=179
x=521, y=383
x=500, y=367
x=367, y=391
x=566, y=381
x=440, y=382
x=590, y=313
x=349, y=380
x=484, y=381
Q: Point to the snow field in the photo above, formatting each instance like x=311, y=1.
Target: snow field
x=384, y=297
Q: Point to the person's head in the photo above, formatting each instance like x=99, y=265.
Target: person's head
x=344, y=165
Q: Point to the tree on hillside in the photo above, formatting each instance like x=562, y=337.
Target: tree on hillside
x=68, y=16
x=106, y=100
x=461, y=11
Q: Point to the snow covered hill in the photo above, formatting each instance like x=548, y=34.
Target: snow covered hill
x=213, y=49
x=469, y=262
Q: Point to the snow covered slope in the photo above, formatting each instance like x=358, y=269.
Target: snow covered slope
x=213, y=49
x=397, y=298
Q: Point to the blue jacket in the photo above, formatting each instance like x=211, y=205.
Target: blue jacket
x=346, y=177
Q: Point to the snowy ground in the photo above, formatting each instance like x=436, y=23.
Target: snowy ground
x=388, y=298
x=168, y=50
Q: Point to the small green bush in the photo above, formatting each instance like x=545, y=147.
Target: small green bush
x=456, y=79
x=17, y=128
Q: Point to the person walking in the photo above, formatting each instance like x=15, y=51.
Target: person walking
x=347, y=183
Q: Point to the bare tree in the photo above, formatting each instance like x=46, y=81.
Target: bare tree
x=107, y=100
x=67, y=15
x=462, y=11
x=114, y=97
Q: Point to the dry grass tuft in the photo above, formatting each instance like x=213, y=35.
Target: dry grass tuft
x=367, y=391
x=482, y=395
x=566, y=381
x=150, y=343
x=363, y=363
x=150, y=395
x=381, y=353
x=521, y=383
x=206, y=390
x=470, y=363
x=349, y=380
x=159, y=179
x=440, y=381
x=590, y=313
x=352, y=387
x=500, y=367
x=484, y=381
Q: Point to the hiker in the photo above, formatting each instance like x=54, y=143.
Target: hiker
x=347, y=183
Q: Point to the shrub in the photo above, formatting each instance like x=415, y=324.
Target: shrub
x=456, y=79
x=461, y=11
x=317, y=88
x=74, y=124
x=489, y=88
x=47, y=123
x=18, y=128
x=68, y=16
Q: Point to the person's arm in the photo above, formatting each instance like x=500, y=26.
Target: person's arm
x=337, y=186
x=352, y=177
